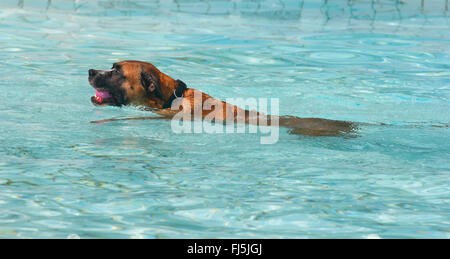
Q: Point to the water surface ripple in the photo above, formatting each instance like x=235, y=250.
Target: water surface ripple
x=368, y=61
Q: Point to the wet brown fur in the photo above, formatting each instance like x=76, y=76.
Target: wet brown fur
x=137, y=94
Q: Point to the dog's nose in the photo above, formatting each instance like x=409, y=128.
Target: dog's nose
x=92, y=72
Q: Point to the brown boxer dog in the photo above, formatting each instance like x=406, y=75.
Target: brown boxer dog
x=142, y=84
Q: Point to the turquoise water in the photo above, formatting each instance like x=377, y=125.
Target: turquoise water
x=366, y=61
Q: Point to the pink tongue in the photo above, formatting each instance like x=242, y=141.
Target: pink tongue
x=103, y=95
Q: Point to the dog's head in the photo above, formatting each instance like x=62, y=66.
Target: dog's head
x=130, y=82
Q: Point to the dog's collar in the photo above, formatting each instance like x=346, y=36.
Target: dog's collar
x=177, y=93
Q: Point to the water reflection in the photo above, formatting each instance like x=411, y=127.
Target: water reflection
x=273, y=9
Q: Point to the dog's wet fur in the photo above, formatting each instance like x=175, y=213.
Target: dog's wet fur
x=142, y=84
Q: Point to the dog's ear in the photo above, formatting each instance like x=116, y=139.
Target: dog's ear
x=150, y=82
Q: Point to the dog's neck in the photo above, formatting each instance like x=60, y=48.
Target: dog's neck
x=167, y=85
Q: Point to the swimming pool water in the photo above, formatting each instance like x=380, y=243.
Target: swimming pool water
x=366, y=61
